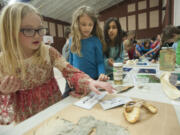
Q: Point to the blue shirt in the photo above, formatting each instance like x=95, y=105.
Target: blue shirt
x=139, y=49
x=91, y=62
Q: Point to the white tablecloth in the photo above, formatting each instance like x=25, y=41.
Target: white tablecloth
x=149, y=91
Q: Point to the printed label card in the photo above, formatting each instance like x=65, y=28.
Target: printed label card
x=90, y=100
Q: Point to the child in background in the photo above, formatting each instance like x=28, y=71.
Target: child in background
x=113, y=49
x=124, y=38
x=86, y=44
x=175, y=44
x=131, y=36
x=138, y=49
x=152, y=40
x=156, y=54
x=130, y=44
x=171, y=34
x=146, y=49
x=127, y=46
x=65, y=50
x=124, y=35
x=27, y=83
x=157, y=42
x=154, y=47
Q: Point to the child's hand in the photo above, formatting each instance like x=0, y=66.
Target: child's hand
x=9, y=84
x=110, y=62
x=94, y=85
x=103, y=77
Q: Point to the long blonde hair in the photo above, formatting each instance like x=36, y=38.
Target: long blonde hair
x=76, y=34
x=12, y=54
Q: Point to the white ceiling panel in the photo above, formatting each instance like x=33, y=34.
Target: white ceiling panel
x=63, y=9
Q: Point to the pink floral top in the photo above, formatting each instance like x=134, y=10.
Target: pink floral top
x=39, y=89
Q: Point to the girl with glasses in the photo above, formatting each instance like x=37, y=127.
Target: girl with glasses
x=27, y=83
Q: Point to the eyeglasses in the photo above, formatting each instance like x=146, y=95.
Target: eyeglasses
x=28, y=32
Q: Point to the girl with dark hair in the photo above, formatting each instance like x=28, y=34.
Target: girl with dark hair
x=113, y=49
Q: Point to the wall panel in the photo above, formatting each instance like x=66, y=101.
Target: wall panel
x=142, y=5
x=60, y=30
x=142, y=21
x=154, y=19
x=153, y=3
x=143, y=16
x=131, y=7
x=123, y=23
x=52, y=29
x=132, y=22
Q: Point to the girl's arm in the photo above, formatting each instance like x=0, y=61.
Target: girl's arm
x=8, y=86
x=79, y=80
x=156, y=55
x=152, y=50
x=75, y=77
x=108, y=62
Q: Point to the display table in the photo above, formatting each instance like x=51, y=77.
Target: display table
x=152, y=92
x=163, y=123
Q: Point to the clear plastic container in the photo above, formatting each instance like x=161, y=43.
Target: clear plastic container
x=118, y=73
x=167, y=59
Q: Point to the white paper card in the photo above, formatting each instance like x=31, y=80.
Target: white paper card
x=90, y=100
x=115, y=102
